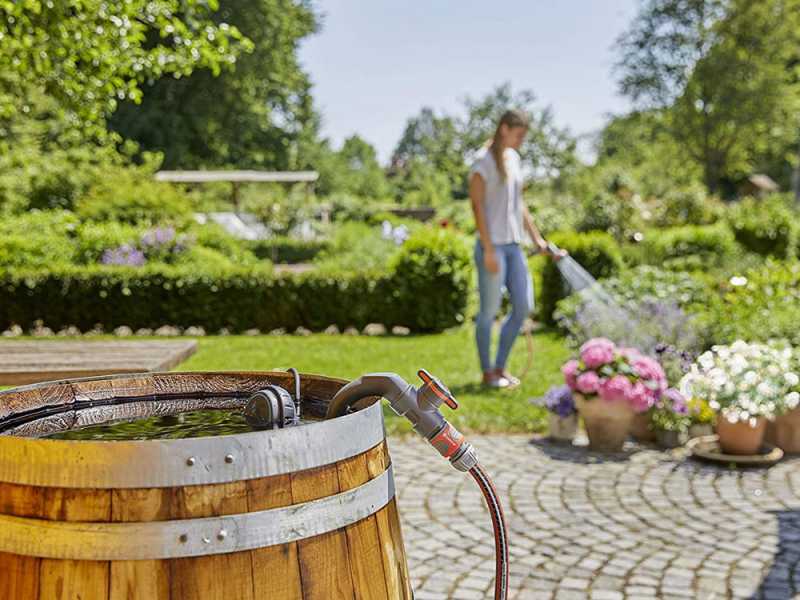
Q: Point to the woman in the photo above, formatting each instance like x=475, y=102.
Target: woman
x=495, y=189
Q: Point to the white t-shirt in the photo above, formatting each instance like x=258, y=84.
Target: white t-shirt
x=502, y=204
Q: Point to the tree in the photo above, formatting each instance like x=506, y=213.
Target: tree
x=353, y=169
x=719, y=69
x=548, y=150
x=89, y=54
x=434, y=141
x=257, y=115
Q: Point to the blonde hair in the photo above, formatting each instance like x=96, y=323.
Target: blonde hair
x=511, y=119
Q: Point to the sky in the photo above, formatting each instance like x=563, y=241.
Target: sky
x=378, y=62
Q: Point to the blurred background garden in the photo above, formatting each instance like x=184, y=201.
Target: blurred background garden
x=686, y=205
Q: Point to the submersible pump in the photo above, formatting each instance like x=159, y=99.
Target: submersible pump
x=421, y=407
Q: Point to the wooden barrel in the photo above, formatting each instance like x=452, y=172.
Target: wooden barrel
x=302, y=512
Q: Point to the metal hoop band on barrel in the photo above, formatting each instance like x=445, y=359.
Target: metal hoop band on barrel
x=154, y=540
x=171, y=463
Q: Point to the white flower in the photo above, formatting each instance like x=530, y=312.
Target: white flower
x=750, y=377
x=792, y=399
x=791, y=378
x=706, y=361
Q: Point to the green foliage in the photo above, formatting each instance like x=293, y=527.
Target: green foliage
x=596, y=252
x=688, y=205
x=648, y=284
x=430, y=145
x=130, y=195
x=432, y=279
x=695, y=245
x=764, y=308
x=256, y=115
x=283, y=249
x=552, y=211
x=88, y=54
x=214, y=237
x=766, y=226
x=610, y=213
x=93, y=238
x=356, y=246
x=425, y=287
x=720, y=69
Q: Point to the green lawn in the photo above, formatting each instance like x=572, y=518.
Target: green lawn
x=450, y=355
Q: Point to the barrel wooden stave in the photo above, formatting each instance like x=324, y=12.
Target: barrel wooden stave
x=364, y=560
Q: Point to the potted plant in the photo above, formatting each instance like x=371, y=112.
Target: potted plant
x=670, y=418
x=563, y=415
x=611, y=385
x=784, y=431
x=746, y=385
x=701, y=417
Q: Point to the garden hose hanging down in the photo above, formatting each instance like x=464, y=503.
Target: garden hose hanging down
x=421, y=407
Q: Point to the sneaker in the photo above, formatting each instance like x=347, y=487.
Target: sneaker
x=512, y=381
x=496, y=382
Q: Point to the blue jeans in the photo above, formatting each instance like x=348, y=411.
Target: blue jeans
x=514, y=276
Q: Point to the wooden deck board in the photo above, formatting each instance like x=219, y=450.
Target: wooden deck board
x=28, y=361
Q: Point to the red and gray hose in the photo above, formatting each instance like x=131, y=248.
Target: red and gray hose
x=421, y=408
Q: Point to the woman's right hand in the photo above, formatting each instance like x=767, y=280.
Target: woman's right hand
x=490, y=261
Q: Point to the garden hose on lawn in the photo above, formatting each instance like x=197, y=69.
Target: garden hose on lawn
x=421, y=407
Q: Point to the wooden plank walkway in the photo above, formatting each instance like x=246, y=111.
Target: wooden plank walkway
x=30, y=361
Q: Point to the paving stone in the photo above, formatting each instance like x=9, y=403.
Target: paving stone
x=581, y=525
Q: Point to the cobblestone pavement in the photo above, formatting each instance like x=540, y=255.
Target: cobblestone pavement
x=648, y=524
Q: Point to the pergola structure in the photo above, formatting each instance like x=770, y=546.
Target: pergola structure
x=236, y=178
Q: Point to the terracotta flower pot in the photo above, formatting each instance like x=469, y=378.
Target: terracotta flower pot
x=740, y=438
x=607, y=423
x=640, y=429
x=563, y=428
x=784, y=432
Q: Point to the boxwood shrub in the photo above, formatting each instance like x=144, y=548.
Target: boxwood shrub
x=765, y=226
x=688, y=246
x=425, y=288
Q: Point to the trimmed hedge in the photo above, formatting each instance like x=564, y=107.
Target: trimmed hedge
x=689, y=245
x=596, y=252
x=426, y=289
x=765, y=226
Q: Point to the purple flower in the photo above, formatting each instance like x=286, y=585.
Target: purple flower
x=588, y=382
x=616, y=388
x=124, y=255
x=570, y=371
x=158, y=237
x=559, y=400
x=678, y=401
x=597, y=352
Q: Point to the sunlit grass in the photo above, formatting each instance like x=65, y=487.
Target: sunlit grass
x=451, y=356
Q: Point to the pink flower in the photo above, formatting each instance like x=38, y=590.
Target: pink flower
x=570, y=371
x=640, y=397
x=588, y=382
x=629, y=353
x=650, y=370
x=617, y=388
x=597, y=352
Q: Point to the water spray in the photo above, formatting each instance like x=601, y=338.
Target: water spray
x=421, y=407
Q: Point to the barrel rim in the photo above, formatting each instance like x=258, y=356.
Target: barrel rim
x=192, y=461
x=158, y=540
